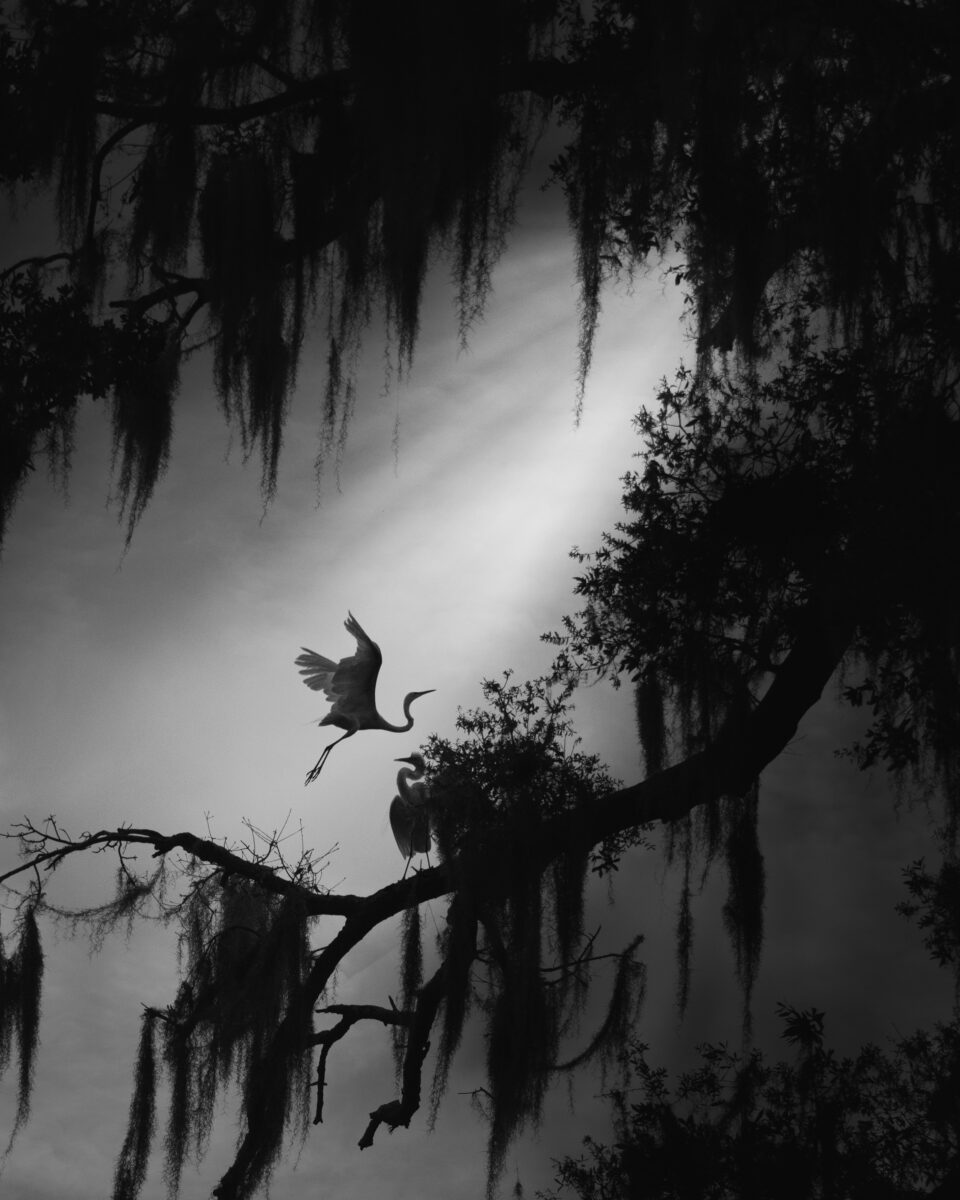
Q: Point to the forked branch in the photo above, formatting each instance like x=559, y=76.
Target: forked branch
x=349, y=1015
x=399, y=1112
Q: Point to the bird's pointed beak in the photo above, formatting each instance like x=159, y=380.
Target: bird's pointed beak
x=409, y=760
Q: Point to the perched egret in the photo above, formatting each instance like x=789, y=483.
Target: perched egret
x=350, y=686
x=410, y=811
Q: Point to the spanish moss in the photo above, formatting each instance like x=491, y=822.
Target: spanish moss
x=411, y=975
x=743, y=910
x=21, y=979
x=131, y=1169
x=245, y=955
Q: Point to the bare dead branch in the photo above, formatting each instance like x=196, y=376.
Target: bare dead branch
x=350, y=1014
x=399, y=1112
x=199, y=848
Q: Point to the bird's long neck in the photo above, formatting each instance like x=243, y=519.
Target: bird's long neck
x=399, y=728
x=407, y=701
x=405, y=777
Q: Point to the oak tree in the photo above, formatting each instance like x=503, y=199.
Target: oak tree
x=234, y=176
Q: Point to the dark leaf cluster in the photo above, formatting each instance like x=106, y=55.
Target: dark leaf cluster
x=514, y=943
x=771, y=507
x=813, y=141
x=51, y=352
x=879, y=1124
x=829, y=481
x=935, y=905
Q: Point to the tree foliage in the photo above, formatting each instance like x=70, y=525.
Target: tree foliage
x=828, y=482
x=239, y=174
x=233, y=172
x=935, y=902
x=878, y=1124
x=807, y=505
x=809, y=140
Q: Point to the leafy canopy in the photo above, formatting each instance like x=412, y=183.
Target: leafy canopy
x=878, y=1124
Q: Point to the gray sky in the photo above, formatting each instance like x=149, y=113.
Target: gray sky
x=158, y=688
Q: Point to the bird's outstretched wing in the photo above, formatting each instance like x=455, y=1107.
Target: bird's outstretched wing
x=349, y=685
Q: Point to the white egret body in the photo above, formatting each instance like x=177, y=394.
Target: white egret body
x=410, y=811
x=350, y=686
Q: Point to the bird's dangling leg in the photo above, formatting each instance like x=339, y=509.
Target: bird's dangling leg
x=318, y=767
x=416, y=870
x=314, y=772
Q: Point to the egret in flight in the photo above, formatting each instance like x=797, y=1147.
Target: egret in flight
x=350, y=686
x=410, y=811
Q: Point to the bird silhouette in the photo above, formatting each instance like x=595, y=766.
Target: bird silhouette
x=410, y=812
x=350, y=686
